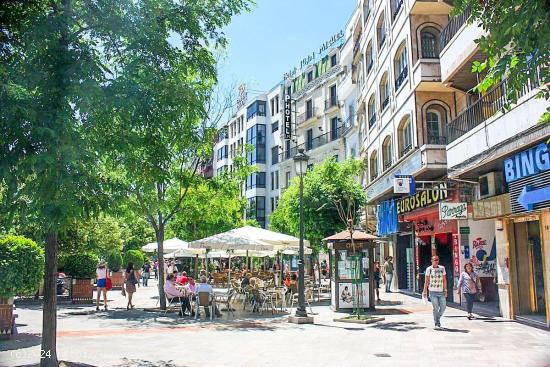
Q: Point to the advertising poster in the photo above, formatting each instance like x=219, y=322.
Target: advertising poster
x=346, y=295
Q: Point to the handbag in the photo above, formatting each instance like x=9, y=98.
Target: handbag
x=123, y=292
x=108, y=282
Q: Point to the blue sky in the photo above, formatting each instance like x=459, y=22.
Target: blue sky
x=275, y=35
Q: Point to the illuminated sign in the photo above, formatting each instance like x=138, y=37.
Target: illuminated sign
x=288, y=118
x=527, y=163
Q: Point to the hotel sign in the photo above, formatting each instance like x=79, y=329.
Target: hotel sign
x=314, y=55
x=422, y=199
x=288, y=116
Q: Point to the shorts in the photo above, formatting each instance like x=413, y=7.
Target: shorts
x=101, y=283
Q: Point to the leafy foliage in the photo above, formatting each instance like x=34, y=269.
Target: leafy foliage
x=326, y=185
x=21, y=266
x=81, y=265
x=134, y=256
x=114, y=261
x=517, y=43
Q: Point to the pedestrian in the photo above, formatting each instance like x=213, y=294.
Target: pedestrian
x=436, y=283
x=469, y=284
x=382, y=272
x=101, y=276
x=388, y=269
x=130, y=282
x=156, y=269
x=146, y=269
x=377, y=279
x=324, y=269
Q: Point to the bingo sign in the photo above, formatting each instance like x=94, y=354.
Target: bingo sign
x=456, y=255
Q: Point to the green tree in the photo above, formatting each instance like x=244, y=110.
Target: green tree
x=517, y=44
x=330, y=190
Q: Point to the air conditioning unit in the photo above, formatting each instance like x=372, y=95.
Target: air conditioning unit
x=491, y=184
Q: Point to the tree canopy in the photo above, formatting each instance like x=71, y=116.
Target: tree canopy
x=328, y=185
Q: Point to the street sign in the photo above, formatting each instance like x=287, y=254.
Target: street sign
x=453, y=211
x=401, y=185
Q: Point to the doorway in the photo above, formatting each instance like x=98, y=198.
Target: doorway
x=423, y=258
x=405, y=262
x=443, y=249
x=531, y=300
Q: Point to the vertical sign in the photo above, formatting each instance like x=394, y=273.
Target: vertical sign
x=288, y=118
x=456, y=255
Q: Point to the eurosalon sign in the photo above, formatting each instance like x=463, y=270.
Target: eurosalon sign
x=422, y=199
x=453, y=211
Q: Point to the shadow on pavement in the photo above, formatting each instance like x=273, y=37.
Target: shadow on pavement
x=19, y=341
x=342, y=327
x=451, y=330
x=63, y=364
x=402, y=326
x=143, y=363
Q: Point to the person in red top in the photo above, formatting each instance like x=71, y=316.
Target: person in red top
x=182, y=279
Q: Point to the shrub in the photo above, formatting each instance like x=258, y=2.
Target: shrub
x=81, y=265
x=21, y=266
x=114, y=261
x=134, y=256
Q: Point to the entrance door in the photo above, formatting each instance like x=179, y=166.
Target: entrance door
x=530, y=279
x=424, y=256
x=405, y=261
x=443, y=243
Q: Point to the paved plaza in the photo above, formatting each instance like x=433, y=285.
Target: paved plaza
x=405, y=338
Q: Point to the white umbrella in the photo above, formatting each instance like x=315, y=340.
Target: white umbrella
x=231, y=240
x=280, y=241
x=173, y=244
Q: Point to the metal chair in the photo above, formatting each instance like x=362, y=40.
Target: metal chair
x=204, y=299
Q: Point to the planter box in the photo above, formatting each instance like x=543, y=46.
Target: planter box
x=7, y=318
x=369, y=320
x=82, y=290
x=117, y=279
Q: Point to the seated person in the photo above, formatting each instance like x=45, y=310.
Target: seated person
x=286, y=282
x=203, y=286
x=246, y=280
x=182, y=279
x=172, y=293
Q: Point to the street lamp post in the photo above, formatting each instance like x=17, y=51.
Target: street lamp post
x=300, y=160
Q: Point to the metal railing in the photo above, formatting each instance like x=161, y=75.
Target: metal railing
x=370, y=64
x=314, y=143
x=372, y=120
x=331, y=102
x=348, y=124
x=309, y=114
x=373, y=176
x=401, y=78
x=406, y=149
x=387, y=164
x=455, y=23
x=398, y=5
x=382, y=40
x=437, y=139
x=385, y=102
x=485, y=107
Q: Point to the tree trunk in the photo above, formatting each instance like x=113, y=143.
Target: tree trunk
x=160, y=245
x=49, y=313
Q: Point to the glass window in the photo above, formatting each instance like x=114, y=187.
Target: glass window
x=309, y=139
x=256, y=108
x=309, y=76
x=256, y=137
x=333, y=60
x=274, y=126
x=309, y=109
x=334, y=132
x=275, y=155
x=255, y=180
x=287, y=179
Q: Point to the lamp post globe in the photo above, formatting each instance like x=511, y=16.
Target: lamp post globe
x=300, y=161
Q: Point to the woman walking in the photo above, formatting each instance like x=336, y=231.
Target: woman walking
x=101, y=277
x=469, y=283
x=130, y=283
x=377, y=278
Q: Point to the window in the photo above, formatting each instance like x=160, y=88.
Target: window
x=429, y=43
x=309, y=139
x=287, y=179
x=373, y=166
x=309, y=76
x=395, y=7
x=370, y=57
x=256, y=209
x=371, y=111
x=336, y=157
x=309, y=109
x=272, y=105
x=256, y=137
x=287, y=149
x=255, y=109
x=333, y=96
x=405, y=136
x=222, y=152
x=276, y=174
x=384, y=92
x=274, y=126
x=436, y=120
x=367, y=6
x=272, y=176
x=277, y=103
x=333, y=60
x=387, y=153
x=381, y=31
x=334, y=131
x=272, y=204
x=275, y=155
x=400, y=66
x=255, y=180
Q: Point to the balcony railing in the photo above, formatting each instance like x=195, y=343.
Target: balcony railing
x=437, y=139
x=382, y=39
x=373, y=176
x=385, y=102
x=356, y=45
x=331, y=102
x=485, y=107
x=401, y=78
x=387, y=164
x=309, y=114
x=405, y=150
x=348, y=124
x=314, y=143
x=452, y=28
x=398, y=4
x=370, y=64
x=372, y=120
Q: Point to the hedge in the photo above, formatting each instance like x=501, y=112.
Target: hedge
x=134, y=256
x=114, y=261
x=82, y=265
x=21, y=266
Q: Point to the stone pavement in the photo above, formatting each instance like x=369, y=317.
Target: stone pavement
x=405, y=338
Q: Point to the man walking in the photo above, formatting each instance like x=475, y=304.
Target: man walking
x=436, y=283
x=388, y=269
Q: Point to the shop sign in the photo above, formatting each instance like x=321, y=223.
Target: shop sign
x=241, y=99
x=431, y=225
x=456, y=255
x=422, y=199
x=288, y=118
x=453, y=211
x=464, y=230
x=527, y=163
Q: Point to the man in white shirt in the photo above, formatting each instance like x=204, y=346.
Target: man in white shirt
x=203, y=286
x=436, y=284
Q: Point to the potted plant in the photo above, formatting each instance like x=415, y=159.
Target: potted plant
x=22, y=269
x=114, y=262
x=81, y=268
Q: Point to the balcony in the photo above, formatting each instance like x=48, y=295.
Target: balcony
x=373, y=176
x=331, y=102
x=429, y=7
x=387, y=164
x=385, y=102
x=485, y=129
x=401, y=78
x=455, y=23
x=348, y=124
x=370, y=65
x=405, y=150
x=426, y=75
x=372, y=120
x=308, y=115
x=398, y=4
x=381, y=40
x=314, y=143
x=436, y=139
